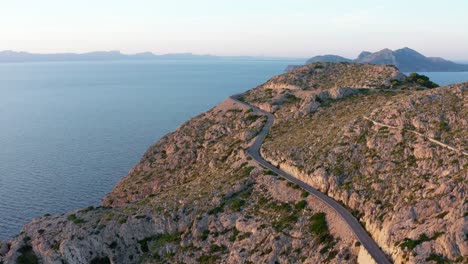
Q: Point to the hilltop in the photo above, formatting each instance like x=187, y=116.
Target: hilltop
x=387, y=147
x=406, y=59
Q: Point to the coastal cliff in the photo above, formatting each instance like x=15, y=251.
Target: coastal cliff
x=359, y=133
x=195, y=197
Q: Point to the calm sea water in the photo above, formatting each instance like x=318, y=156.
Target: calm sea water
x=444, y=78
x=70, y=131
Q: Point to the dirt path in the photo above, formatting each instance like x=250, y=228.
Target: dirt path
x=419, y=134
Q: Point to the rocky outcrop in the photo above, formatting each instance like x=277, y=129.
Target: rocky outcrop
x=323, y=75
x=305, y=89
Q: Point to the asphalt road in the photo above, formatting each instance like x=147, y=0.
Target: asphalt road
x=254, y=151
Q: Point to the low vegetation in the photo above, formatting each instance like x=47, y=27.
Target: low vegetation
x=422, y=80
x=76, y=220
x=27, y=256
x=410, y=244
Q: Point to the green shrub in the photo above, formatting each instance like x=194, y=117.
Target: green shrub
x=422, y=80
x=76, y=220
x=27, y=256
x=244, y=236
x=205, y=235
x=236, y=205
x=442, y=215
x=253, y=117
x=284, y=222
x=88, y=209
x=293, y=185
x=331, y=255
x=395, y=82
x=301, y=205
x=319, y=227
x=216, y=248
x=208, y=259
x=269, y=172
x=438, y=259
x=410, y=244
x=246, y=172
x=158, y=241
x=234, y=235
x=216, y=210
x=444, y=126
x=291, y=98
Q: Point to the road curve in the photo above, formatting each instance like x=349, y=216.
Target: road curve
x=254, y=151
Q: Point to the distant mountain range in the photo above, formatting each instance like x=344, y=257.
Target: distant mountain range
x=406, y=59
x=14, y=56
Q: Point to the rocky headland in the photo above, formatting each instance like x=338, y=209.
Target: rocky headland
x=391, y=150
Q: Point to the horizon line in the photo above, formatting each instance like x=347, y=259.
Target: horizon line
x=119, y=52
x=151, y=53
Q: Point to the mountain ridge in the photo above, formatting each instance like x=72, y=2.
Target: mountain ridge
x=9, y=56
x=13, y=56
x=406, y=59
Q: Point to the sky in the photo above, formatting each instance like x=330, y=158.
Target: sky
x=285, y=28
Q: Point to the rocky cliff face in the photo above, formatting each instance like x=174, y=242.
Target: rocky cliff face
x=397, y=158
x=391, y=151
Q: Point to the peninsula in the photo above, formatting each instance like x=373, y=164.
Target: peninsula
x=332, y=162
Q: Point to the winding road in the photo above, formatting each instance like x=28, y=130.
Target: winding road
x=254, y=151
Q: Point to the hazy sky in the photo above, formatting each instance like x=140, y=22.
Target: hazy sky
x=293, y=28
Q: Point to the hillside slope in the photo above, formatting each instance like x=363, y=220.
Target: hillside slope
x=397, y=158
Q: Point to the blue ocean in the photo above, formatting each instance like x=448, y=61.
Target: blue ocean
x=70, y=131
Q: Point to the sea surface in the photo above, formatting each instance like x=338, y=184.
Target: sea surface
x=444, y=78
x=70, y=131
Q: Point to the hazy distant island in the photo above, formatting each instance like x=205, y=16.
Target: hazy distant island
x=9, y=56
x=406, y=59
